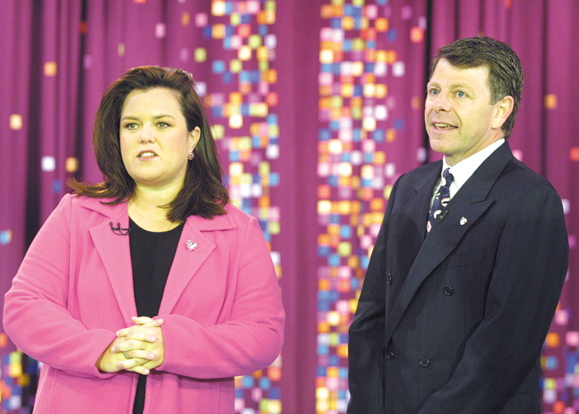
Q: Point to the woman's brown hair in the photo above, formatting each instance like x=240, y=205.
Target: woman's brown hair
x=203, y=192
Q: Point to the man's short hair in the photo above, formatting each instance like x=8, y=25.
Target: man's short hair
x=505, y=71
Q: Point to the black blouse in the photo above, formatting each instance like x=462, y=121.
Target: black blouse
x=152, y=254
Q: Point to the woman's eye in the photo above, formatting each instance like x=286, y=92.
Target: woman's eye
x=131, y=125
x=163, y=125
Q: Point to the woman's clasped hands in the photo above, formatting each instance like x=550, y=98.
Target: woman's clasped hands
x=138, y=348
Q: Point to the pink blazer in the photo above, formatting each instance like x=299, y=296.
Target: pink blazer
x=221, y=306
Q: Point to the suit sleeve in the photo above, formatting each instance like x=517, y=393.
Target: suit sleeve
x=35, y=312
x=366, y=334
x=530, y=268
x=252, y=336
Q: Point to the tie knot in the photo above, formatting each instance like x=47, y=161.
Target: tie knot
x=448, y=177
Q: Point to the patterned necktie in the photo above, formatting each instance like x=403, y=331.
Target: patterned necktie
x=440, y=200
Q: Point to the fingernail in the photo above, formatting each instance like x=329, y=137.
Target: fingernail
x=146, y=371
x=119, y=365
x=117, y=333
x=113, y=349
x=153, y=338
x=151, y=356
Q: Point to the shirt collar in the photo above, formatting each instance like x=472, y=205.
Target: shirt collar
x=465, y=168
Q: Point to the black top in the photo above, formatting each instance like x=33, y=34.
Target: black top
x=152, y=254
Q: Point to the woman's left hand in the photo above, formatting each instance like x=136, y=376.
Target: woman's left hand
x=144, y=340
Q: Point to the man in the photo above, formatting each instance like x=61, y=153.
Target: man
x=456, y=303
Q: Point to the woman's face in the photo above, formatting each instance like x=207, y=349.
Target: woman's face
x=155, y=142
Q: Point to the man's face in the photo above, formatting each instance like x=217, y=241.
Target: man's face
x=458, y=114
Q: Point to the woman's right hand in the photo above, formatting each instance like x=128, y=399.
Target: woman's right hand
x=110, y=359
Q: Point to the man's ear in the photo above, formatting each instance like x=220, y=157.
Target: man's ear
x=503, y=110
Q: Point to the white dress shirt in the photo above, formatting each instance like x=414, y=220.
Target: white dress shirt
x=464, y=169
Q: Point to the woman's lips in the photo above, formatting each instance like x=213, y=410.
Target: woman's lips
x=146, y=154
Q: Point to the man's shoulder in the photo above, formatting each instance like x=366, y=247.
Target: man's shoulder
x=522, y=177
x=431, y=167
x=420, y=173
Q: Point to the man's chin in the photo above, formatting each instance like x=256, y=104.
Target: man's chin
x=438, y=145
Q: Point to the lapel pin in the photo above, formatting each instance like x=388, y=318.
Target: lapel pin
x=463, y=221
x=191, y=245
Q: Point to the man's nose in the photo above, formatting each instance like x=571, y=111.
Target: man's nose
x=441, y=102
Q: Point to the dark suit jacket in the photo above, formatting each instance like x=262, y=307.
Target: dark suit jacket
x=453, y=322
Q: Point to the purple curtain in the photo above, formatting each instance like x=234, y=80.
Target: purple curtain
x=317, y=108
x=39, y=101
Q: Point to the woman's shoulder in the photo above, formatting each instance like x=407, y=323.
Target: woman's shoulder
x=81, y=204
x=87, y=202
x=234, y=218
x=237, y=214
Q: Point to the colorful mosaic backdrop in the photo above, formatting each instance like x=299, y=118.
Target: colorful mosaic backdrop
x=560, y=364
x=360, y=62
x=243, y=112
x=19, y=377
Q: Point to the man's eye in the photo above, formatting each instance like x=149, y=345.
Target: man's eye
x=434, y=92
x=461, y=94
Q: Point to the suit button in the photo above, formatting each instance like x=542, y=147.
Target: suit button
x=424, y=362
x=390, y=356
x=448, y=290
x=389, y=278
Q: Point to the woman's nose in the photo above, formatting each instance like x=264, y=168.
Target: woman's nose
x=147, y=134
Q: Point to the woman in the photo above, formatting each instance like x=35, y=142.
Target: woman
x=147, y=292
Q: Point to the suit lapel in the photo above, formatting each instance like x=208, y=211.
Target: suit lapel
x=423, y=188
x=192, y=251
x=115, y=253
x=464, y=210
x=188, y=259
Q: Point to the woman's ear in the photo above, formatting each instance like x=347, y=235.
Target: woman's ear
x=194, y=137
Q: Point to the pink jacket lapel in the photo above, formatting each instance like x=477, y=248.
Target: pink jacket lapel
x=114, y=250
x=192, y=251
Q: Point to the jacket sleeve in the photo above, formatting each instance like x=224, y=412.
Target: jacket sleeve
x=35, y=313
x=366, y=333
x=251, y=337
x=527, y=279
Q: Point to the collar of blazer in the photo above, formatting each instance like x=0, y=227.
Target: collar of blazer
x=470, y=202
x=115, y=253
x=119, y=212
